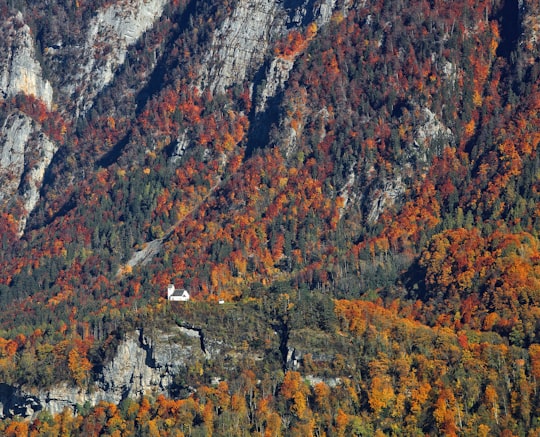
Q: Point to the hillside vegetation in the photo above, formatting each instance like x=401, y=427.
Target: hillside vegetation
x=361, y=188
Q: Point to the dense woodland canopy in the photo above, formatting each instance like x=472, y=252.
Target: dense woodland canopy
x=342, y=214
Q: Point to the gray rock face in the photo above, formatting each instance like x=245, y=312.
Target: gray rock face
x=45, y=149
x=20, y=72
x=14, y=135
x=240, y=43
x=143, y=365
x=385, y=197
x=13, y=403
x=276, y=77
x=132, y=371
x=25, y=153
x=108, y=38
x=431, y=128
x=147, y=365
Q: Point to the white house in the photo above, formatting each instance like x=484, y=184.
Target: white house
x=177, y=295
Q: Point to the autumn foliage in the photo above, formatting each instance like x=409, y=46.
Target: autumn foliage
x=378, y=217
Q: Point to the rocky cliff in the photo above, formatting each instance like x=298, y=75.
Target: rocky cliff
x=20, y=72
x=240, y=47
x=105, y=45
x=85, y=63
x=144, y=364
x=25, y=153
x=256, y=148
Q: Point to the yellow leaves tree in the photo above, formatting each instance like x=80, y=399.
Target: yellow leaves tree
x=273, y=426
x=208, y=417
x=294, y=389
x=16, y=429
x=342, y=420
x=491, y=399
x=534, y=354
x=223, y=396
x=445, y=412
x=483, y=430
x=381, y=394
x=79, y=367
x=419, y=397
x=322, y=395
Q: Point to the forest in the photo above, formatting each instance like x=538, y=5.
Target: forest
x=379, y=215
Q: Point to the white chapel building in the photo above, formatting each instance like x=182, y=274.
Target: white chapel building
x=177, y=295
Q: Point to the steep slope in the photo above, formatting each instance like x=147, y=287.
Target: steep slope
x=95, y=58
x=288, y=152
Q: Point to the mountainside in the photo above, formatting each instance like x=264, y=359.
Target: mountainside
x=356, y=182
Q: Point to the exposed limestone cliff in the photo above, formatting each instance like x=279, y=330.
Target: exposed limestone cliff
x=20, y=72
x=44, y=152
x=276, y=77
x=147, y=364
x=430, y=137
x=144, y=364
x=15, y=403
x=108, y=38
x=14, y=135
x=239, y=44
x=25, y=153
x=431, y=128
x=277, y=74
x=385, y=197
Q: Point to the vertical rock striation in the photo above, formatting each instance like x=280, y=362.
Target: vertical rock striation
x=239, y=44
x=109, y=35
x=25, y=154
x=20, y=72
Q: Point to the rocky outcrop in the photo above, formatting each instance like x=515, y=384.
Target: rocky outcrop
x=303, y=342
x=314, y=380
x=108, y=38
x=276, y=77
x=144, y=364
x=44, y=152
x=25, y=153
x=385, y=197
x=430, y=137
x=239, y=44
x=14, y=403
x=14, y=136
x=147, y=364
x=277, y=74
x=431, y=131
x=20, y=72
